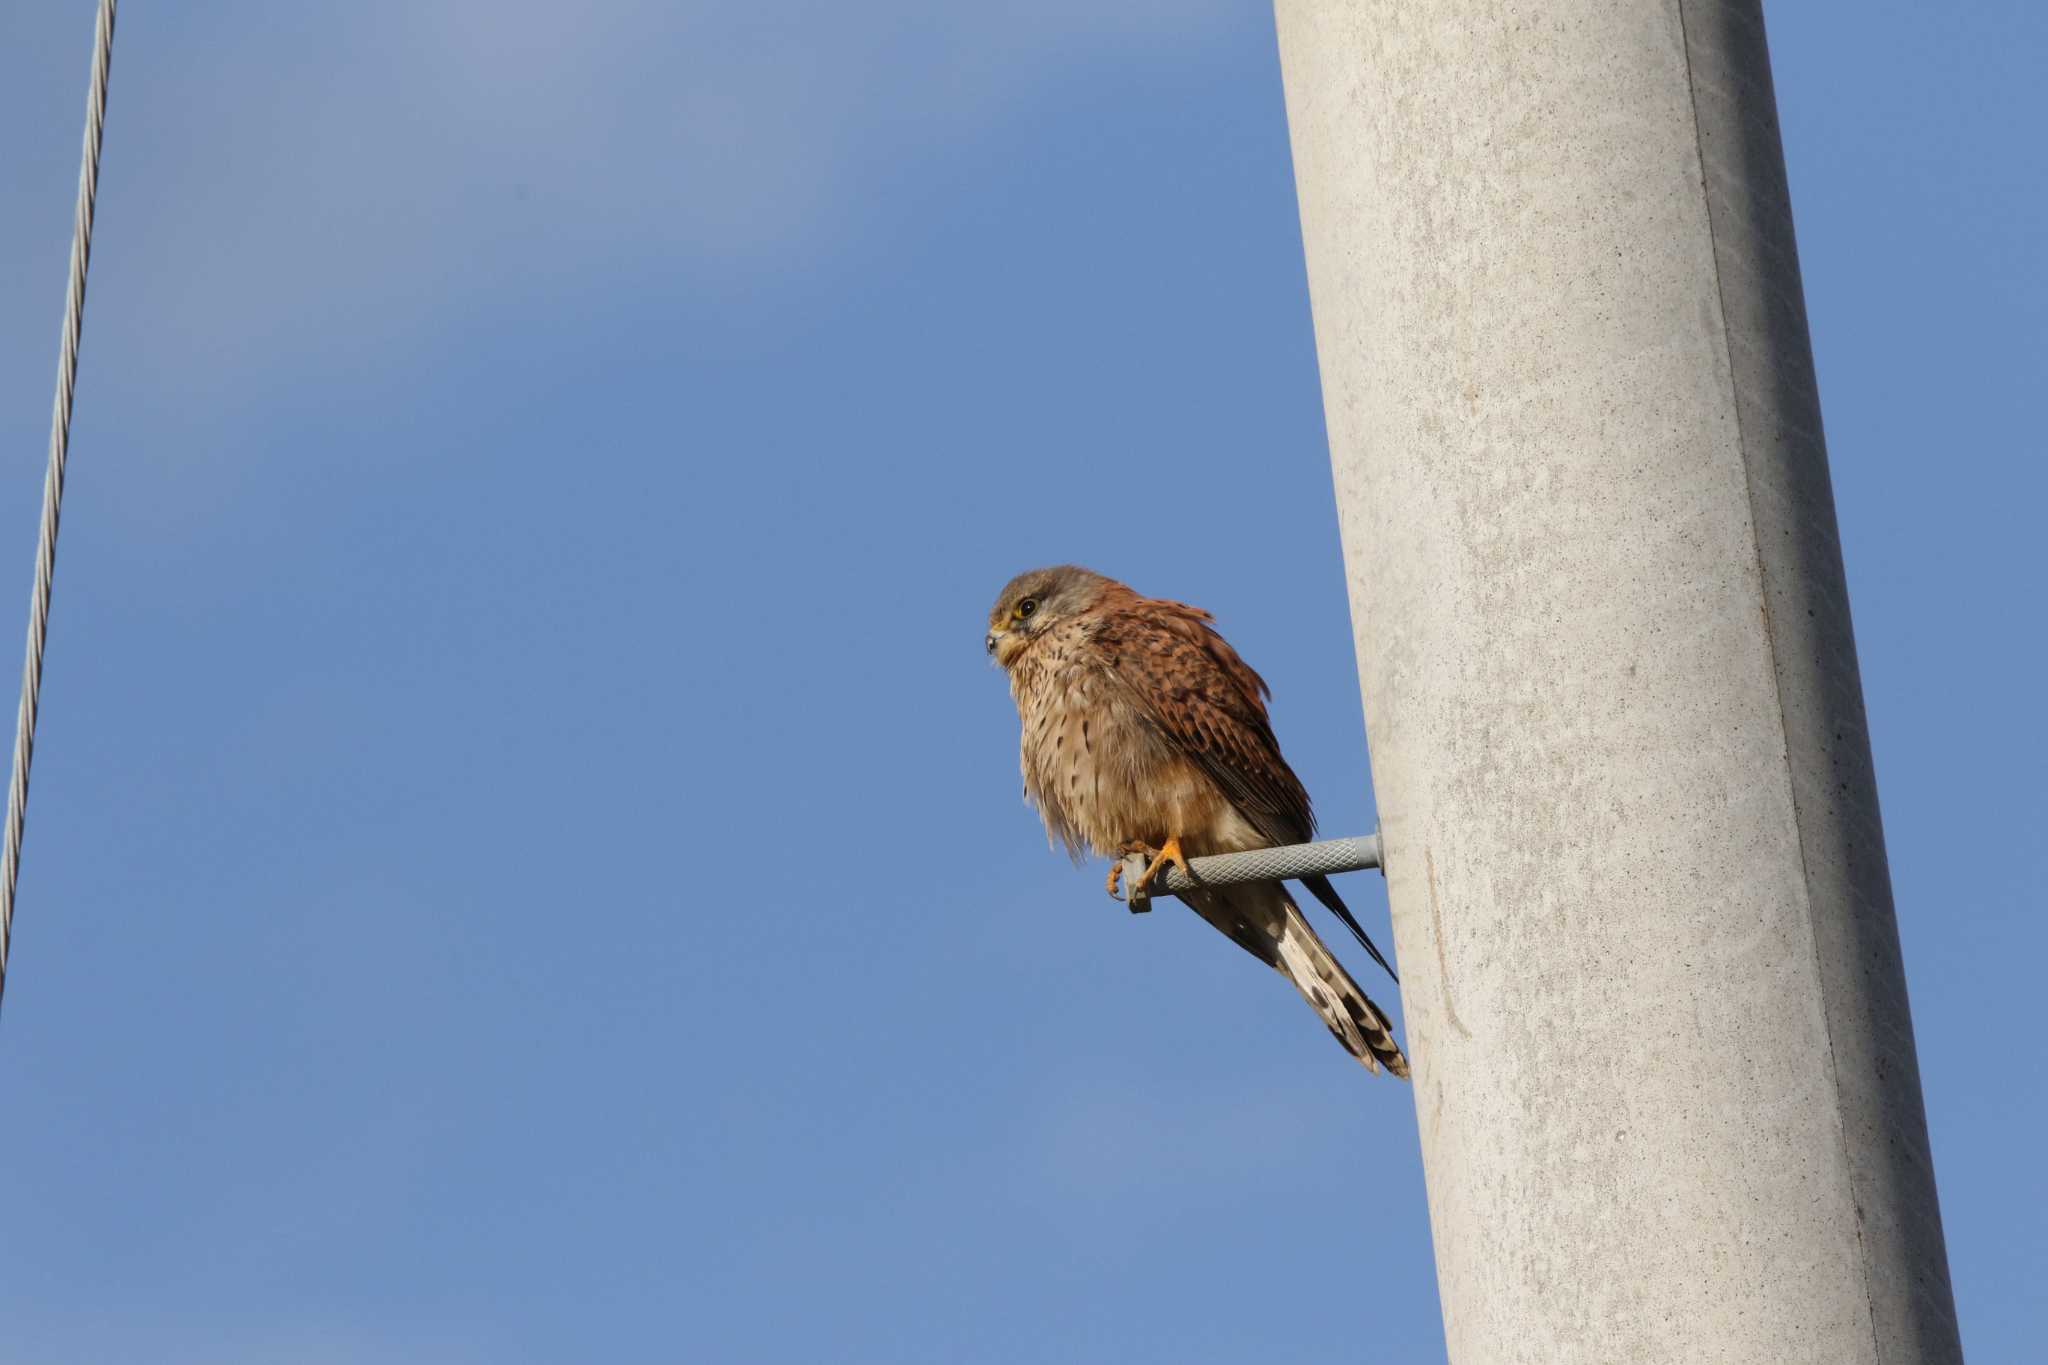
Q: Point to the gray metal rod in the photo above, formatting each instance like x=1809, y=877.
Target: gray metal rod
x=1262, y=865
x=1664, y=1067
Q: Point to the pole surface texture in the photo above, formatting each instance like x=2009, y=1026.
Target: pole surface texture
x=1666, y=1085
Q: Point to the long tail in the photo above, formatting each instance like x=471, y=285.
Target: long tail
x=1266, y=923
x=1351, y=1016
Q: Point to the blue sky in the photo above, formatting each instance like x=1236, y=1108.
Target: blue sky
x=526, y=860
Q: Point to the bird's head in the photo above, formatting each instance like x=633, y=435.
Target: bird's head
x=1034, y=602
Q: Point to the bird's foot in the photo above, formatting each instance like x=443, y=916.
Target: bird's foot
x=1168, y=854
x=1116, y=868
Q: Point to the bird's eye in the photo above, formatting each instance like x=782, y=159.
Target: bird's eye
x=1026, y=607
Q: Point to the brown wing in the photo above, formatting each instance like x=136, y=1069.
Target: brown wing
x=1192, y=686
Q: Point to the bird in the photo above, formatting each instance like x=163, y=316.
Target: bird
x=1144, y=732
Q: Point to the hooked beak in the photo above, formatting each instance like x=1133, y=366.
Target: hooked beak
x=989, y=641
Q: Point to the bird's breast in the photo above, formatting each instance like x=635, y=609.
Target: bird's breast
x=1100, y=775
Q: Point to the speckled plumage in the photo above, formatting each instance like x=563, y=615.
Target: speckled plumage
x=1142, y=726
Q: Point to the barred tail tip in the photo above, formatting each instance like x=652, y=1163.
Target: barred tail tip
x=1346, y=1011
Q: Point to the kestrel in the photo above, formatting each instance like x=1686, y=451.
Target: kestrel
x=1144, y=732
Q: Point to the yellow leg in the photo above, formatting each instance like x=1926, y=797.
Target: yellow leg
x=1116, y=868
x=1169, y=853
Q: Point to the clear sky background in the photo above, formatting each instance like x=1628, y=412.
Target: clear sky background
x=527, y=861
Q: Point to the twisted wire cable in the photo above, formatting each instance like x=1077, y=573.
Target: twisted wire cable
x=53, y=480
x=1267, y=864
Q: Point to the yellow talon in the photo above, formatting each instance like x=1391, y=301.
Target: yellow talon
x=1116, y=869
x=1169, y=854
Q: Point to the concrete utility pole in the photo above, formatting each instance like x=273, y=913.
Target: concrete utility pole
x=1666, y=1084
